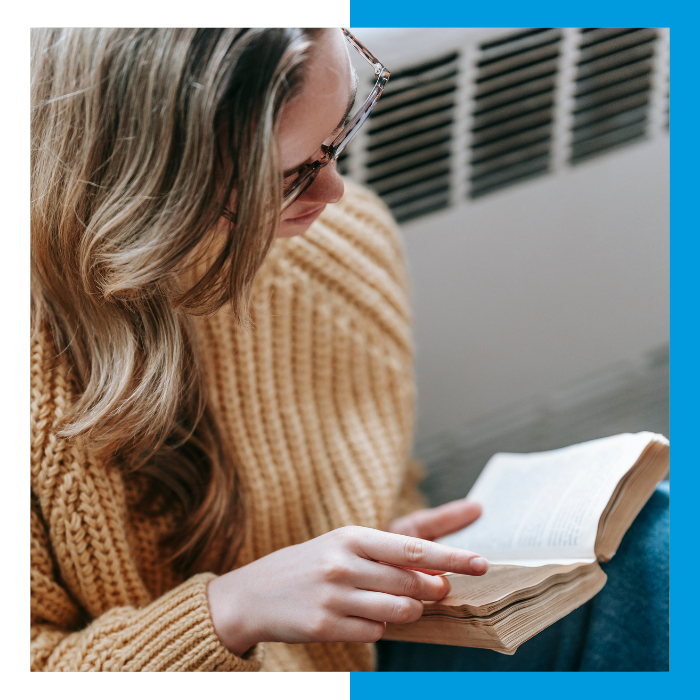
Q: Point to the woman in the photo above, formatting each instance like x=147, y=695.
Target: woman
x=221, y=422
x=188, y=421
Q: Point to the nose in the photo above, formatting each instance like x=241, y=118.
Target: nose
x=327, y=188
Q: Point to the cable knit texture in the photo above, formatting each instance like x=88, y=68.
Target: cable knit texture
x=316, y=404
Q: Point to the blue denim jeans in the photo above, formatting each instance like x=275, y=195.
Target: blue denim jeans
x=623, y=628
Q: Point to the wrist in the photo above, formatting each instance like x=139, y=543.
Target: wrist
x=231, y=617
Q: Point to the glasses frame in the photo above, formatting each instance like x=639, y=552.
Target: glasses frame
x=308, y=172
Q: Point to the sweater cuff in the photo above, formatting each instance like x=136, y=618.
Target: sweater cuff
x=187, y=641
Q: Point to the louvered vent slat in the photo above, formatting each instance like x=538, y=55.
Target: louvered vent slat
x=408, y=79
x=407, y=129
x=513, y=43
x=404, y=177
x=523, y=77
x=406, y=93
x=613, y=76
x=511, y=129
x=491, y=150
x=429, y=187
x=433, y=136
x=594, y=49
x=408, y=160
x=619, y=121
x=493, y=179
x=613, y=89
x=509, y=95
x=412, y=111
x=608, y=110
x=614, y=92
x=523, y=106
x=511, y=158
x=413, y=158
x=601, y=34
x=494, y=67
x=618, y=137
x=518, y=123
x=622, y=58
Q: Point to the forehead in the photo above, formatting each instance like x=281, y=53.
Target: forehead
x=310, y=117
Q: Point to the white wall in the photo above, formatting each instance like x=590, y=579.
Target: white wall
x=530, y=289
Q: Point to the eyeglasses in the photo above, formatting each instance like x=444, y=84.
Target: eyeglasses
x=297, y=182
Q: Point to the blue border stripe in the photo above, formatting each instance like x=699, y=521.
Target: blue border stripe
x=494, y=686
x=508, y=13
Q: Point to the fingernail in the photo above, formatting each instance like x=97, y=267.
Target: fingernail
x=479, y=565
x=448, y=584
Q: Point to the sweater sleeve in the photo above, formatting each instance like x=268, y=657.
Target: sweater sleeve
x=173, y=633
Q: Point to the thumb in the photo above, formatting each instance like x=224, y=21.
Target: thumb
x=431, y=523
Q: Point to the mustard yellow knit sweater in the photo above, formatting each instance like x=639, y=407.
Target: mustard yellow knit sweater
x=316, y=403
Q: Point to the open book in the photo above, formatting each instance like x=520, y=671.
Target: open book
x=548, y=519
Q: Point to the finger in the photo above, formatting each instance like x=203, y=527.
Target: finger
x=412, y=552
x=382, y=607
x=430, y=572
x=358, y=629
x=397, y=581
x=431, y=523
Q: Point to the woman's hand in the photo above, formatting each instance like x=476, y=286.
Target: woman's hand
x=342, y=586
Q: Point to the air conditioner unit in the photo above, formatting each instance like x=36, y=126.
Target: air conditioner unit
x=529, y=170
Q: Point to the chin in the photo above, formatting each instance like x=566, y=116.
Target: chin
x=291, y=231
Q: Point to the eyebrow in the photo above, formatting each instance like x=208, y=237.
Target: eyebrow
x=341, y=123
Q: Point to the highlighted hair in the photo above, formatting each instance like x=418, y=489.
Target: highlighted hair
x=139, y=140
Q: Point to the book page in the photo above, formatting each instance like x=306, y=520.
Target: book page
x=498, y=583
x=543, y=508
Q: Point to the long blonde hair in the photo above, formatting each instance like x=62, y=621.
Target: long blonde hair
x=139, y=137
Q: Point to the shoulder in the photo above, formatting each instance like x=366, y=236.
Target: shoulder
x=353, y=253
x=361, y=206
x=365, y=222
x=349, y=264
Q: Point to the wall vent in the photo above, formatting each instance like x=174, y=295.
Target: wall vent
x=408, y=160
x=511, y=129
x=613, y=89
x=478, y=113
